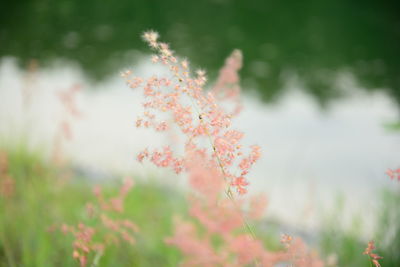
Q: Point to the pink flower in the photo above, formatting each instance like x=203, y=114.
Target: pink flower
x=393, y=174
x=214, y=160
x=92, y=239
x=227, y=88
x=257, y=207
x=374, y=257
x=142, y=155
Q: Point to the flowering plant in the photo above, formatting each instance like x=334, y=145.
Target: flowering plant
x=214, y=159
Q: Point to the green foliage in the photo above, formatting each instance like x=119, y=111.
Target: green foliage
x=348, y=246
x=44, y=198
x=392, y=126
x=389, y=228
x=344, y=244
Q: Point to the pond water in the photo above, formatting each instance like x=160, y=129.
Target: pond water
x=314, y=39
x=309, y=154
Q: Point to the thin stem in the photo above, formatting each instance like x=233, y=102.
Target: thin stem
x=245, y=222
x=97, y=258
x=228, y=191
x=7, y=251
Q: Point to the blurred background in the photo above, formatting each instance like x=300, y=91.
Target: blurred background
x=321, y=86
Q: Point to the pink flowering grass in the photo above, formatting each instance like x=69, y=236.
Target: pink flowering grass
x=91, y=241
x=32, y=218
x=216, y=229
x=7, y=183
x=214, y=235
x=204, y=124
x=374, y=258
x=394, y=174
x=217, y=232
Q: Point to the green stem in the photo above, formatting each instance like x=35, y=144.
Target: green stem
x=97, y=258
x=7, y=251
x=228, y=192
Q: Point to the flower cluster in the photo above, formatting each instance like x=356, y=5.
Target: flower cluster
x=116, y=203
x=218, y=233
x=84, y=243
x=92, y=240
x=227, y=88
x=374, y=257
x=223, y=220
x=220, y=219
x=7, y=183
x=205, y=124
x=393, y=174
x=298, y=254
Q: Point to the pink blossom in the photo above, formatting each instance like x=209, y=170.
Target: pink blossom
x=227, y=88
x=211, y=156
x=393, y=174
x=373, y=257
x=92, y=239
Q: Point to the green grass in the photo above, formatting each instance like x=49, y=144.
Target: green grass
x=348, y=246
x=43, y=198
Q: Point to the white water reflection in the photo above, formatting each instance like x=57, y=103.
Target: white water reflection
x=308, y=155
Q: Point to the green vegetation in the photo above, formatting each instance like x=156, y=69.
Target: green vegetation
x=45, y=197
x=346, y=243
